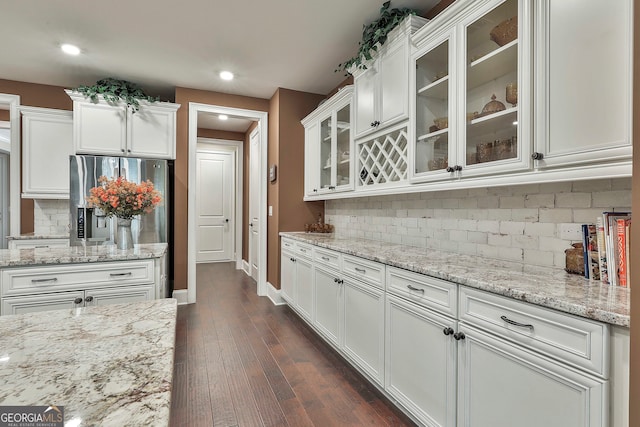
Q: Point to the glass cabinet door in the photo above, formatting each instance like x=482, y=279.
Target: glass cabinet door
x=492, y=88
x=432, y=111
x=326, y=154
x=343, y=143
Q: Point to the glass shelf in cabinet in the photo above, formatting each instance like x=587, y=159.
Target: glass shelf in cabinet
x=500, y=121
x=428, y=137
x=500, y=62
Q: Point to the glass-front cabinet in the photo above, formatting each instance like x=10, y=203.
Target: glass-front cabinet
x=328, y=146
x=468, y=81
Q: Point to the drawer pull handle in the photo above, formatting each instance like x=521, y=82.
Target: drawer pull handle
x=325, y=258
x=514, y=323
x=447, y=331
x=88, y=299
x=360, y=270
x=77, y=300
x=42, y=246
x=54, y=279
x=120, y=274
x=413, y=288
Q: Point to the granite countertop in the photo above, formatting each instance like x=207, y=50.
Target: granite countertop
x=547, y=287
x=33, y=236
x=78, y=254
x=107, y=365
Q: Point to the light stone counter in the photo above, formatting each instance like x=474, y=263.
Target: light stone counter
x=78, y=254
x=547, y=287
x=108, y=366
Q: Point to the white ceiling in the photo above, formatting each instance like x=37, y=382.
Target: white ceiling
x=232, y=124
x=161, y=44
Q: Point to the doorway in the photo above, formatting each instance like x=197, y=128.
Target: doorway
x=261, y=221
x=254, y=203
x=219, y=200
x=11, y=197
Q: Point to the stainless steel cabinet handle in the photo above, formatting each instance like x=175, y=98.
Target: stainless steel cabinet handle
x=41, y=246
x=53, y=279
x=120, y=274
x=514, y=323
x=325, y=258
x=77, y=300
x=360, y=270
x=413, y=288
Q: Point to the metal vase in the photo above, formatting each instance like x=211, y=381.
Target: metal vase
x=124, y=238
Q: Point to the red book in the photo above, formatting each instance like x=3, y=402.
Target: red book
x=622, y=251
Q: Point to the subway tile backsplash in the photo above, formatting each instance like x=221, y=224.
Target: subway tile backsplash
x=51, y=217
x=530, y=223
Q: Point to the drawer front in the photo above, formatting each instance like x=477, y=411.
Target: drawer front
x=288, y=245
x=38, y=243
x=33, y=280
x=327, y=258
x=577, y=341
x=304, y=250
x=439, y=295
x=367, y=271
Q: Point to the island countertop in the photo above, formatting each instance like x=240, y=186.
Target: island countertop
x=547, y=287
x=107, y=365
x=78, y=254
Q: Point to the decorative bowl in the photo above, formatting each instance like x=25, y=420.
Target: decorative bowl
x=505, y=32
x=491, y=107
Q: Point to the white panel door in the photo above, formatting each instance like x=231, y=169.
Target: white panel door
x=43, y=302
x=99, y=129
x=328, y=304
x=254, y=203
x=394, y=87
x=4, y=199
x=214, y=206
x=304, y=287
x=365, y=95
x=121, y=295
x=152, y=132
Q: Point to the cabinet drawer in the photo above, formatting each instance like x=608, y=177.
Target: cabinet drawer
x=580, y=342
x=288, y=245
x=327, y=258
x=304, y=250
x=32, y=280
x=367, y=271
x=430, y=292
x=38, y=243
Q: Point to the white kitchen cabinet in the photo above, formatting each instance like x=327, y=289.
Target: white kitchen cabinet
x=287, y=275
x=364, y=327
x=113, y=129
x=382, y=89
x=48, y=287
x=501, y=384
x=420, y=362
x=76, y=299
x=329, y=306
x=47, y=143
x=304, y=287
x=38, y=243
x=297, y=277
x=328, y=146
x=463, y=123
x=583, y=82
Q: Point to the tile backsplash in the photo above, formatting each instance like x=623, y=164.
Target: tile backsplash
x=51, y=217
x=530, y=223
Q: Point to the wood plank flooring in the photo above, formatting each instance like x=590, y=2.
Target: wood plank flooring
x=241, y=361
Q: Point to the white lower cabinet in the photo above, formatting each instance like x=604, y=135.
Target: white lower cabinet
x=364, y=327
x=450, y=355
x=421, y=361
x=64, y=286
x=38, y=243
x=501, y=384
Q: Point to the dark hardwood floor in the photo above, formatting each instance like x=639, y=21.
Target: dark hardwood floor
x=241, y=361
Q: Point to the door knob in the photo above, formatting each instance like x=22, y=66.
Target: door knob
x=226, y=220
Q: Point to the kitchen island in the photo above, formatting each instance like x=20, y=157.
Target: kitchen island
x=108, y=366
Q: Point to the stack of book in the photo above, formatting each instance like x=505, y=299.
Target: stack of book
x=606, y=248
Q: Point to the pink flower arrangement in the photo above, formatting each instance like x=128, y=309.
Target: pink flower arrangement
x=124, y=199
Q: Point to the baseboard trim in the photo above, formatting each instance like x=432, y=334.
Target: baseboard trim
x=181, y=296
x=274, y=295
x=245, y=268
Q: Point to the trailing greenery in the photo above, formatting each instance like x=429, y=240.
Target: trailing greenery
x=375, y=35
x=114, y=90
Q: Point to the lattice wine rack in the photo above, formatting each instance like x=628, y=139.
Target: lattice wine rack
x=383, y=159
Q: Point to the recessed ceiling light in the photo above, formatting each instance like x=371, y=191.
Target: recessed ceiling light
x=70, y=49
x=223, y=117
x=226, y=75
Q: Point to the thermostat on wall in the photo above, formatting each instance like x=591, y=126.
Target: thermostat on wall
x=272, y=173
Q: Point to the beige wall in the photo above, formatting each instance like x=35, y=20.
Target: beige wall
x=34, y=95
x=634, y=379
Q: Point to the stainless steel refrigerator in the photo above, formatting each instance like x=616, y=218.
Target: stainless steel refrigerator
x=89, y=226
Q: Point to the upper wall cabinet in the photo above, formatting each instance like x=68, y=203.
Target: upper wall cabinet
x=466, y=79
x=110, y=129
x=328, y=146
x=47, y=143
x=382, y=89
x=583, y=81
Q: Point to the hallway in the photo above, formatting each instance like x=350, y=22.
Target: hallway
x=241, y=361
